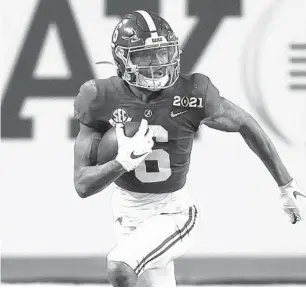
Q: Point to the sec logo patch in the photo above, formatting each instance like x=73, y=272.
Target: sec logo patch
x=120, y=115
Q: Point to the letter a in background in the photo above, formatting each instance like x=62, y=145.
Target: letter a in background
x=23, y=84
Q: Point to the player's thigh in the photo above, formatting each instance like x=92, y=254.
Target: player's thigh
x=156, y=241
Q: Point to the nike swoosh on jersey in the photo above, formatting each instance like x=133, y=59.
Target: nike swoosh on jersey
x=177, y=114
x=134, y=156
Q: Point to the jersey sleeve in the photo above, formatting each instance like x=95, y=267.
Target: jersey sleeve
x=203, y=88
x=206, y=90
x=212, y=100
x=89, y=99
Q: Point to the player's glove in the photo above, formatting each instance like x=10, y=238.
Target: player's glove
x=292, y=198
x=133, y=150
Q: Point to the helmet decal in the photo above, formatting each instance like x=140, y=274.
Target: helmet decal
x=149, y=21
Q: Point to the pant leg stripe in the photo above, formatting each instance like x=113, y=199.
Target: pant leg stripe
x=165, y=242
x=170, y=241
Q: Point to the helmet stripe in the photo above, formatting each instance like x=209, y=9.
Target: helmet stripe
x=151, y=25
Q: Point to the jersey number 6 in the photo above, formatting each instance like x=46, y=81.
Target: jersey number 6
x=156, y=167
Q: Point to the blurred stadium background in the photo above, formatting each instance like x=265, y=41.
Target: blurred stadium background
x=254, y=52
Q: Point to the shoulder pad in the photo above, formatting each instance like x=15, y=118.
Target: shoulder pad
x=89, y=98
x=203, y=88
x=200, y=83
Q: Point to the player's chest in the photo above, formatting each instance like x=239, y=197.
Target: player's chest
x=163, y=115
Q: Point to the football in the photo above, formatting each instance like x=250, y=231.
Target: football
x=108, y=146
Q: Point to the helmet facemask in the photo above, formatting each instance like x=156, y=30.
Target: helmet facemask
x=153, y=66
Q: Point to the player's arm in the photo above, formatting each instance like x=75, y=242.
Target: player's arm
x=223, y=115
x=89, y=179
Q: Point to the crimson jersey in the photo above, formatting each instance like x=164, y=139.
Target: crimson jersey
x=174, y=115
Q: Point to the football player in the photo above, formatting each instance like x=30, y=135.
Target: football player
x=155, y=215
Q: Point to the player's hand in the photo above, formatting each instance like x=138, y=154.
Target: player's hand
x=292, y=199
x=133, y=150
